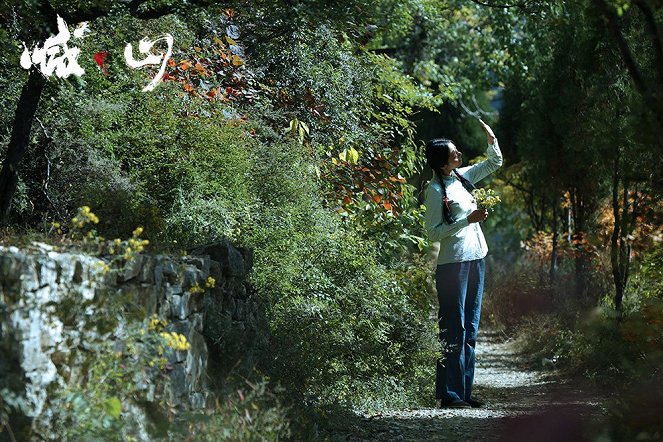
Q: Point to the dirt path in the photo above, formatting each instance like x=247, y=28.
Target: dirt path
x=521, y=405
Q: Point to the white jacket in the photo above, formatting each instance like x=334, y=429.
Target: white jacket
x=460, y=241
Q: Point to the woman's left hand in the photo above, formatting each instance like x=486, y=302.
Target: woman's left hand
x=489, y=132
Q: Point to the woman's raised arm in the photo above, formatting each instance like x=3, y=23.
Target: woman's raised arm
x=479, y=171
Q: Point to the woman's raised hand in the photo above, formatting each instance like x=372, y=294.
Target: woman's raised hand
x=477, y=216
x=489, y=132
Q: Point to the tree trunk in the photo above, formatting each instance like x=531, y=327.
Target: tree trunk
x=578, y=210
x=20, y=137
x=614, y=241
x=555, y=240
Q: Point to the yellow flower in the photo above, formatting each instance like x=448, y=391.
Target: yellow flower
x=211, y=282
x=196, y=289
x=156, y=324
x=486, y=198
x=175, y=341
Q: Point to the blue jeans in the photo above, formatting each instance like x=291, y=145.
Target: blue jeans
x=459, y=291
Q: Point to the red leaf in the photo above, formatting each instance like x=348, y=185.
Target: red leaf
x=100, y=59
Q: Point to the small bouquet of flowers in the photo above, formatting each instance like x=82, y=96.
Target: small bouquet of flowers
x=486, y=198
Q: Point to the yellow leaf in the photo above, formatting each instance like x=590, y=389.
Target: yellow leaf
x=343, y=154
x=305, y=127
x=354, y=155
x=293, y=125
x=218, y=41
x=114, y=407
x=230, y=40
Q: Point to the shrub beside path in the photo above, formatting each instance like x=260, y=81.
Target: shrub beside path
x=522, y=404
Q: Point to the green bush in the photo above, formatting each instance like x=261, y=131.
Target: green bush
x=346, y=309
x=252, y=413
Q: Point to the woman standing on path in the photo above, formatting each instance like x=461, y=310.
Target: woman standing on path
x=452, y=219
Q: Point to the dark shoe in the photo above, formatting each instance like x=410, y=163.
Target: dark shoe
x=456, y=403
x=474, y=403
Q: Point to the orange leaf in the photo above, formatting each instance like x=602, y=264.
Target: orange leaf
x=185, y=65
x=171, y=62
x=377, y=198
x=386, y=205
x=188, y=87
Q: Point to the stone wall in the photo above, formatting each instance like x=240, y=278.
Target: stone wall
x=38, y=283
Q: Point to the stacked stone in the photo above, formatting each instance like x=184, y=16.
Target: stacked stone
x=37, y=341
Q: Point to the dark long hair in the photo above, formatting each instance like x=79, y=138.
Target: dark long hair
x=437, y=155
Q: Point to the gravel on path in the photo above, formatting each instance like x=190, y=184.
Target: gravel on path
x=521, y=405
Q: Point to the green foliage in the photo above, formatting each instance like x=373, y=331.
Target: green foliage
x=245, y=414
x=91, y=407
x=338, y=318
x=647, y=282
x=350, y=327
